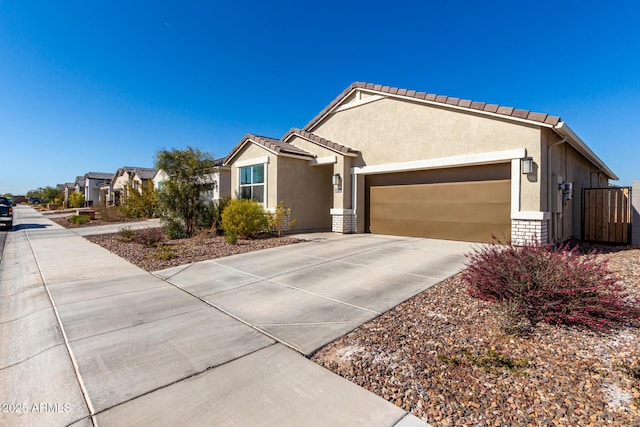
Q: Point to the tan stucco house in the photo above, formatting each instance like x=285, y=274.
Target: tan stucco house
x=217, y=182
x=394, y=161
x=128, y=177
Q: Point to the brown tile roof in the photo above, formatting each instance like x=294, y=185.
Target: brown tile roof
x=272, y=144
x=334, y=146
x=278, y=145
x=441, y=99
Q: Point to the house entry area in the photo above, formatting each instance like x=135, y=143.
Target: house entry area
x=471, y=203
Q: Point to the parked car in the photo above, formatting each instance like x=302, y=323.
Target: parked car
x=34, y=200
x=6, y=213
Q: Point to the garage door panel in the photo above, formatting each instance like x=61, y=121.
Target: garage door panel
x=470, y=211
x=448, y=230
x=494, y=213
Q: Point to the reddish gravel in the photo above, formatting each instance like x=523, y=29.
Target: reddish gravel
x=184, y=251
x=439, y=356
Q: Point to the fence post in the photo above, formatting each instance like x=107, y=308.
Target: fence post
x=635, y=213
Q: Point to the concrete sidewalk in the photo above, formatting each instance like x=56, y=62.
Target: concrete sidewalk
x=88, y=339
x=114, y=228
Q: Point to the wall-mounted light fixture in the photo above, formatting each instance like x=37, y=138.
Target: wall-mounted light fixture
x=527, y=165
x=337, y=181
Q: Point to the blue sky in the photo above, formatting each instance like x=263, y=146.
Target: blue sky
x=92, y=86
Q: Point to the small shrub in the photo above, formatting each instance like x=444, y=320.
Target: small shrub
x=79, y=219
x=174, y=228
x=149, y=236
x=243, y=217
x=140, y=203
x=110, y=214
x=490, y=360
x=76, y=200
x=549, y=283
x=165, y=253
x=231, y=237
x=280, y=220
x=126, y=234
x=450, y=360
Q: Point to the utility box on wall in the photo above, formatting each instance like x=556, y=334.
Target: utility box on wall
x=635, y=212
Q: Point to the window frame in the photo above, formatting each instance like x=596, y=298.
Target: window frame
x=252, y=184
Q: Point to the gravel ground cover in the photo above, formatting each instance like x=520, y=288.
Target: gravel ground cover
x=93, y=223
x=440, y=357
x=173, y=253
x=184, y=251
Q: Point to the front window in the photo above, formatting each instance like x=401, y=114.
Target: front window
x=252, y=183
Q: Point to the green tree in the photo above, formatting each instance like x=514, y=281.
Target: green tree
x=140, y=204
x=180, y=198
x=50, y=194
x=76, y=200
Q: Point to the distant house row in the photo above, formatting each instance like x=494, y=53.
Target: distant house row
x=111, y=188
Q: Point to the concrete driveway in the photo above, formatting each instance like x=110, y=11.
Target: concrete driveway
x=307, y=295
x=93, y=339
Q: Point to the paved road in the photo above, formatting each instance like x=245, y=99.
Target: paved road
x=90, y=338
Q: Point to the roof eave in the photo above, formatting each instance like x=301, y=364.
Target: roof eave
x=293, y=133
x=309, y=127
x=565, y=131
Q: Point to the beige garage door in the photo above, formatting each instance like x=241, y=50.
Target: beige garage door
x=466, y=210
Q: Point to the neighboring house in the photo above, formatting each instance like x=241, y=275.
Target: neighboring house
x=159, y=178
x=93, y=183
x=67, y=188
x=395, y=161
x=79, y=185
x=128, y=177
x=218, y=181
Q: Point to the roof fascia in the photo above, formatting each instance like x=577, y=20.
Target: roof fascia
x=576, y=142
x=240, y=146
x=319, y=145
x=338, y=106
x=331, y=111
x=294, y=156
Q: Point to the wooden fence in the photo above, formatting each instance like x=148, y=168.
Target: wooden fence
x=607, y=215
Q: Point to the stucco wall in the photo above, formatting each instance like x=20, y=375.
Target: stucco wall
x=341, y=199
x=160, y=177
x=307, y=190
x=573, y=167
x=92, y=191
x=224, y=183
x=121, y=182
x=253, y=151
x=389, y=130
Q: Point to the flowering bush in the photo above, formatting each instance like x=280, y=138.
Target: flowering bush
x=549, y=283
